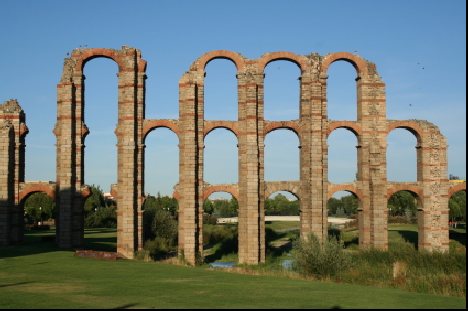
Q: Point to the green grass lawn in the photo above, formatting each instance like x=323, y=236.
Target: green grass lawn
x=37, y=275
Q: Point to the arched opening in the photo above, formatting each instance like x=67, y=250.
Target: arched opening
x=457, y=220
x=403, y=212
x=220, y=228
x=38, y=217
x=282, y=223
x=100, y=220
x=342, y=91
x=100, y=114
x=100, y=109
x=220, y=90
x=343, y=209
x=220, y=157
x=282, y=91
x=161, y=162
x=402, y=163
x=160, y=226
x=282, y=156
x=342, y=156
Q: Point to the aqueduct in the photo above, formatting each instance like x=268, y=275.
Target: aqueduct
x=313, y=128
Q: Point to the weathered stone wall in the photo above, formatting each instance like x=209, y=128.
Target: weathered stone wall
x=312, y=128
x=13, y=130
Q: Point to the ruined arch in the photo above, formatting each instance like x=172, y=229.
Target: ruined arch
x=351, y=188
x=201, y=62
x=267, y=58
x=210, y=126
x=289, y=163
x=151, y=125
x=358, y=63
x=416, y=153
x=337, y=135
x=312, y=129
x=456, y=188
x=232, y=189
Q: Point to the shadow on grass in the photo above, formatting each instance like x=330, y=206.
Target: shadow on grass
x=15, y=284
x=458, y=236
x=225, y=247
x=101, y=244
x=39, y=241
x=278, y=242
x=409, y=236
x=351, y=243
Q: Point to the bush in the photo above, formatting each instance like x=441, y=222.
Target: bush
x=105, y=217
x=159, y=248
x=160, y=232
x=313, y=258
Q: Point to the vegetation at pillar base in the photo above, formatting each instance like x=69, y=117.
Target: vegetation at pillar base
x=320, y=259
x=160, y=227
x=39, y=207
x=38, y=275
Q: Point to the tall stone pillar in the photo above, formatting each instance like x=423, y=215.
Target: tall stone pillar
x=12, y=148
x=251, y=214
x=314, y=151
x=191, y=201
x=6, y=179
x=71, y=132
x=372, y=116
x=433, y=217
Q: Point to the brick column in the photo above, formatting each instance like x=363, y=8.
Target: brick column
x=372, y=171
x=433, y=217
x=128, y=145
x=189, y=186
x=314, y=167
x=6, y=179
x=251, y=215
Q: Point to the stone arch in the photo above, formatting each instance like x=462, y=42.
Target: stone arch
x=288, y=186
x=411, y=126
x=30, y=189
x=456, y=188
x=415, y=130
x=354, y=128
x=351, y=188
x=151, y=125
x=200, y=64
x=351, y=126
x=232, y=189
x=231, y=126
x=393, y=188
x=358, y=63
x=282, y=126
x=82, y=56
x=265, y=59
x=293, y=126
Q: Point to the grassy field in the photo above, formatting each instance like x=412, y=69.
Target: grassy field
x=37, y=275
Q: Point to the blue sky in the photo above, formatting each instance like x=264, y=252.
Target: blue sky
x=419, y=48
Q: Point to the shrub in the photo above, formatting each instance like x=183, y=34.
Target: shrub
x=159, y=248
x=105, y=217
x=322, y=260
x=160, y=231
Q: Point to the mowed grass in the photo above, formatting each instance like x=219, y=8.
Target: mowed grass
x=37, y=275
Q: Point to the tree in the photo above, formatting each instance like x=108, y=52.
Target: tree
x=38, y=207
x=95, y=200
x=457, y=206
x=280, y=205
x=401, y=201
